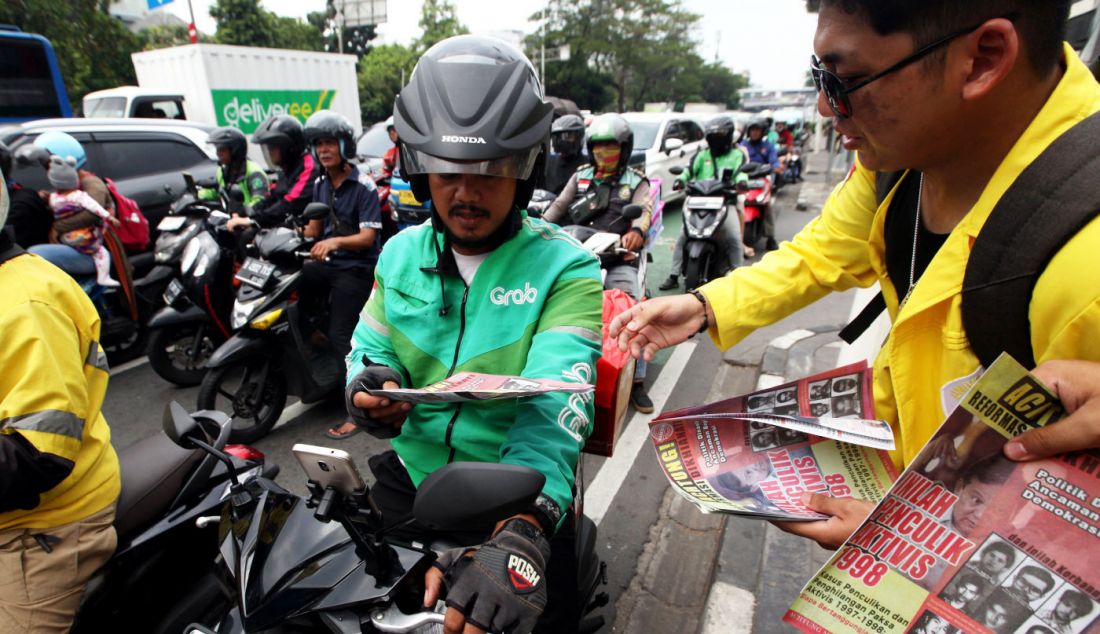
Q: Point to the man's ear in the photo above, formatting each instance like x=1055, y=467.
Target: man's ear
x=991, y=53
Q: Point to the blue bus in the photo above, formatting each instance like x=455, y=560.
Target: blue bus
x=32, y=87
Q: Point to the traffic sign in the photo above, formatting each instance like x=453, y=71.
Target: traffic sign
x=156, y=4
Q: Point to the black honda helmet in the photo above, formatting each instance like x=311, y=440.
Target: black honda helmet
x=326, y=124
x=284, y=132
x=719, y=135
x=567, y=134
x=232, y=138
x=473, y=105
x=611, y=127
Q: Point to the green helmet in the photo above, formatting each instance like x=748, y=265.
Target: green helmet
x=611, y=127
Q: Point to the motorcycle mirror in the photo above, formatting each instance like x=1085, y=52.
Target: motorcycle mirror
x=473, y=495
x=179, y=425
x=676, y=170
x=633, y=212
x=316, y=211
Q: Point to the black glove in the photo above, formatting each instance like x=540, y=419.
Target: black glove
x=503, y=587
x=371, y=378
x=677, y=185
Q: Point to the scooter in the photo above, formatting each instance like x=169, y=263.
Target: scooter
x=272, y=353
x=195, y=320
x=707, y=205
x=328, y=561
x=758, y=198
x=161, y=576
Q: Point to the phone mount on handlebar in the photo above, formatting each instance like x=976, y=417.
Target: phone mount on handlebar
x=362, y=520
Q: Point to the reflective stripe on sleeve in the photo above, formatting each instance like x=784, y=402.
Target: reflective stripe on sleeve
x=97, y=358
x=374, y=324
x=586, y=333
x=50, y=421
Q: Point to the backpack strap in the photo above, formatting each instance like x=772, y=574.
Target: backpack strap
x=8, y=248
x=1053, y=199
x=884, y=184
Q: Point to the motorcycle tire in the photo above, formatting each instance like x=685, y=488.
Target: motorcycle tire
x=695, y=272
x=231, y=389
x=170, y=353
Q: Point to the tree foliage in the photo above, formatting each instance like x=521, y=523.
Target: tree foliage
x=93, y=49
x=438, y=21
x=624, y=53
x=246, y=23
x=381, y=76
x=166, y=35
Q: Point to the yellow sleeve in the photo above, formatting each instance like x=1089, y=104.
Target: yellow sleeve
x=44, y=392
x=831, y=253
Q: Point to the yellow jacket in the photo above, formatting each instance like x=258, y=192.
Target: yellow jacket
x=924, y=364
x=52, y=384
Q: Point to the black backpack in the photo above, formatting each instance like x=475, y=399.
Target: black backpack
x=1052, y=200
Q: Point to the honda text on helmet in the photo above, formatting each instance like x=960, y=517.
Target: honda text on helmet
x=448, y=123
x=282, y=133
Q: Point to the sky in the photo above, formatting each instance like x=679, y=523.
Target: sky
x=770, y=39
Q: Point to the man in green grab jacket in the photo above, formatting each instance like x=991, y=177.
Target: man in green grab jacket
x=482, y=288
x=721, y=154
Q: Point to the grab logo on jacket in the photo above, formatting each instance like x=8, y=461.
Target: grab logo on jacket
x=518, y=296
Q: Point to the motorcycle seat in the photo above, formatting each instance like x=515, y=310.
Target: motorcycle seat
x=153, y=471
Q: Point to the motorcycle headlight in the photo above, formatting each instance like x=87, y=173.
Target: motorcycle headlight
x=242, y=311
x=169, y=245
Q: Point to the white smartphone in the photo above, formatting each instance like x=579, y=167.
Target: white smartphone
x=329, y=468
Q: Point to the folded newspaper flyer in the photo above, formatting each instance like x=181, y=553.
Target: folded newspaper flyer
x=968, y=541
x=755, y=455
x=474, y=386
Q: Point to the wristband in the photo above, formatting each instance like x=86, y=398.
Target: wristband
x=706, y=320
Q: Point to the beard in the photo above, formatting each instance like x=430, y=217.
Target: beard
x=491, y=240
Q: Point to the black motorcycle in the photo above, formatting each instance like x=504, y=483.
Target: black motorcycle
x=706, y=207
x=276, y=350
x=162, y=574
x=195, y=318
x=326, y=562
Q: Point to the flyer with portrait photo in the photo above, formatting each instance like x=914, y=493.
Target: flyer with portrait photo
x=969, y=541
x=475, y=386
x=756, y=454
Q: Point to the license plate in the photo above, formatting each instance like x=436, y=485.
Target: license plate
x=705, y=202
x=172, y=293
x=171, y=223
x=255, y=272
x=406, y=197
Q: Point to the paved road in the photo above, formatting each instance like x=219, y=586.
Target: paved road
x=625, y=494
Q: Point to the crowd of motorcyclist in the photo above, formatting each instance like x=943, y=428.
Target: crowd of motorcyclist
x=589, y=171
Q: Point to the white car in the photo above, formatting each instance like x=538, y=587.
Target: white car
x=665, y=139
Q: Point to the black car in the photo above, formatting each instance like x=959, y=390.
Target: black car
x=145, y=158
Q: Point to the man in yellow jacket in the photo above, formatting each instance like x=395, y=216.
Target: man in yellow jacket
x=59, y=476
x=964, y=96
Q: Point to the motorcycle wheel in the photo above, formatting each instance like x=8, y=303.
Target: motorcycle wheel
x=236, y=389
x=694, y=272
x=170, y=353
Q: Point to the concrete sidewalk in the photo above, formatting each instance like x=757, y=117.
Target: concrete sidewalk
x=723, y=574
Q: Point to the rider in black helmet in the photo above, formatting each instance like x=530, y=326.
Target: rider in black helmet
x=342, y=267
x=284, y=147
x=483, y=288
x=29, y=219
x=234, y=166
x=567, y=142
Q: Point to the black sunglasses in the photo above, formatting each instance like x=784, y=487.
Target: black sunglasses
x=836, y=92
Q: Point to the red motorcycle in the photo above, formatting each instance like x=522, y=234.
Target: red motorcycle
x=758, y=198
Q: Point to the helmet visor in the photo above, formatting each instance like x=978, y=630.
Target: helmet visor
x=268, y=159
x=517, y=166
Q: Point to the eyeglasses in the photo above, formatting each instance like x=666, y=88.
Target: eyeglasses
x=836, y=91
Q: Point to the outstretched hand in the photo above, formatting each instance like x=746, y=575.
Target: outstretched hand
x=658, y=323
x=846, y=516
x=1077, y=385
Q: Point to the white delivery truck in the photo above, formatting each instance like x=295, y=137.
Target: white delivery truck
x=241, y=86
